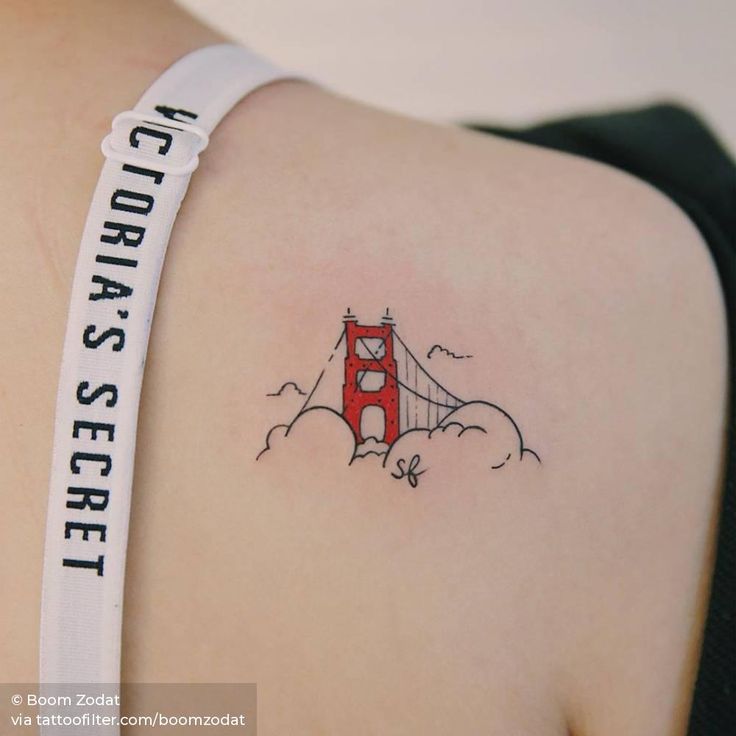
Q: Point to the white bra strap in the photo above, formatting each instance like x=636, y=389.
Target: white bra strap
x=150, y=155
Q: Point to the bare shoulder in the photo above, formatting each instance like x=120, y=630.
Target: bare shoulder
x=536, y=302
x=501, y=490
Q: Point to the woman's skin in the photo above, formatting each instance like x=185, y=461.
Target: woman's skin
x=552, y=598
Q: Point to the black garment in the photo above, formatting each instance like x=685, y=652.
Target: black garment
x=671, y=149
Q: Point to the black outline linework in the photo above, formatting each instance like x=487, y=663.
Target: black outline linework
x=304, y=409
x=293, y=385
x=410, y=472
x=442, y=426
x=437, y=348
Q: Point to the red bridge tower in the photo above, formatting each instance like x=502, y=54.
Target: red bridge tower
x=370, y=376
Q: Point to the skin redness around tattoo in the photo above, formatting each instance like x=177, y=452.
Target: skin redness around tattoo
x=377, y=402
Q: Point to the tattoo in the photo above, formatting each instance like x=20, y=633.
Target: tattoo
x=391, y=408
x=411, y=473
x=288, y=386
x=445, y=351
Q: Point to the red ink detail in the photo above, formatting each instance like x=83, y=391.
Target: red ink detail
x=354, y=398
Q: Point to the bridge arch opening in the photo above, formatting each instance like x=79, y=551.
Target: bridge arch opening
x=373, y=423
x=370, y=348
x=371, y=381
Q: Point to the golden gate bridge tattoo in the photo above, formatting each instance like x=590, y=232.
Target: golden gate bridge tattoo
x=388, y=396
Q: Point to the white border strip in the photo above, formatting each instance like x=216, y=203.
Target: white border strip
x=150, y=156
